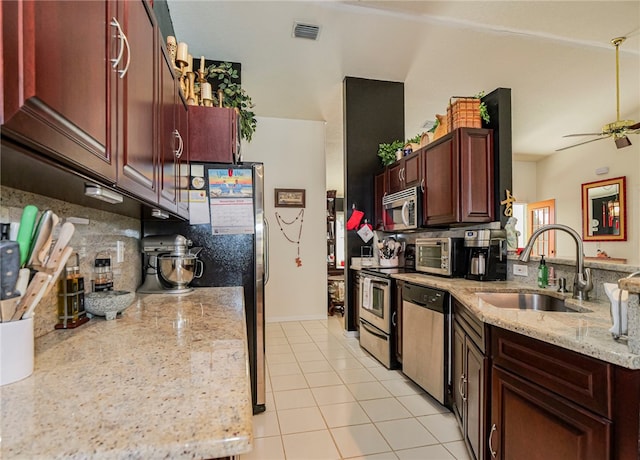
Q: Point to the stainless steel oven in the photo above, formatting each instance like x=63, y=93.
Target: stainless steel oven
x=375, y=316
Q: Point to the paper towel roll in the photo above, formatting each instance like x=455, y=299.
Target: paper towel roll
x=619, y=301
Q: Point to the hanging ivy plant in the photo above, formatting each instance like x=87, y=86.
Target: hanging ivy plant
x=233, y=95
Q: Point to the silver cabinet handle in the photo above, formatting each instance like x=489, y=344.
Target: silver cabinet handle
x=463, y=380
x=114, y=23
x=393, y=318
x=422, y=185
x=124, y=71
x=123, y=42
x=493, y=452
x=178, y=152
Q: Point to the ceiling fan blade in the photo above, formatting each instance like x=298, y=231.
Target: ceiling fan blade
x=583, y=134
x=636, y=126
x=581, y=143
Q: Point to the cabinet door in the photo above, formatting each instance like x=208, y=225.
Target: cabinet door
x=474, y=404
x=476, y=175
x=212, y=134
x=530, y=422
x=58, y=83
x=169, y=141
x=138, y=100
x=413, y=169
x=182, y=125
x=395, y=176
x=458, y=374
x=442, y=183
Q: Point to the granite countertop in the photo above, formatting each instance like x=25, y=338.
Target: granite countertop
x=168, y=379
x=586, y=332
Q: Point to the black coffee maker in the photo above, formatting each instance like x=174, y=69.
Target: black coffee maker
x=486, y=252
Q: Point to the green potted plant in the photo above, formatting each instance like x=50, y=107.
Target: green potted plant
x=484, y=113
x=233, y=95
x=387, y=152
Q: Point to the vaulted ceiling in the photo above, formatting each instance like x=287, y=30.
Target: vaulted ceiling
x=555, y=56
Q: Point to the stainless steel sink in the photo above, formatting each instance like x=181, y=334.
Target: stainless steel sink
x=526, y=301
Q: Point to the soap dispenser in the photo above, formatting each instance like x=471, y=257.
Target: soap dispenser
x=543, y=273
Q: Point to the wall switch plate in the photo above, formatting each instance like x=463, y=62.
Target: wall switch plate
x=520, y=270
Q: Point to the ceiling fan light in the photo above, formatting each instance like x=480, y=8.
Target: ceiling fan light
x=622, y=142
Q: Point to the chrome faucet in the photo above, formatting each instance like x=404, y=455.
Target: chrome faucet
x=582, y=282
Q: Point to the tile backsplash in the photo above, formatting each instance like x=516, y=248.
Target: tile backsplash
x=100, y=234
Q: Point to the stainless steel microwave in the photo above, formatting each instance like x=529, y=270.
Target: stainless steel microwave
x=441, y=256
x=402, y=210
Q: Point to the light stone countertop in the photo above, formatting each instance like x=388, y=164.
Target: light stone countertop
x=168, y=379
x=584, y=332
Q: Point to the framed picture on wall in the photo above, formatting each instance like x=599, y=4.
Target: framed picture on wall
x=289, y=198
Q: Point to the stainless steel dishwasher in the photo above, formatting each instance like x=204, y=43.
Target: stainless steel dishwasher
x=426, y=339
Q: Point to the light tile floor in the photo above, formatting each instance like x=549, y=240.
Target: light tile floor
x=328, y=399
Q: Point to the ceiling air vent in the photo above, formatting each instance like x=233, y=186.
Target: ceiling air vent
x=309, y=31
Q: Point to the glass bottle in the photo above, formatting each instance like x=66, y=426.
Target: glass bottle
x=71, y=294
x=102, y=274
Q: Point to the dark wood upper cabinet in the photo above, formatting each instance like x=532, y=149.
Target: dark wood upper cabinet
x=58, y=81
x=406, y=172
x=174, y=138
x=138, y=102
x=88, y=84
x=458, y=172
x=213, y=134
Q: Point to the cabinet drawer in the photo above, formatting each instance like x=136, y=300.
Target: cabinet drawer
x=470, y=324
x=581, y=379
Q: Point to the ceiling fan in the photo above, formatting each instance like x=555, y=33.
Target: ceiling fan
x=619, y=128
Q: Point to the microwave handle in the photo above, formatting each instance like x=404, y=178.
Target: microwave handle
x=405, y=213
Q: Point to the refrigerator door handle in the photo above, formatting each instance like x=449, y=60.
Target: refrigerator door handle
x=266, y=251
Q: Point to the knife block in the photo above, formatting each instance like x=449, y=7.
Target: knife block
x=16, y=350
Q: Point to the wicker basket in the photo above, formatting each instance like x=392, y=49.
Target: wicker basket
x=463, y=112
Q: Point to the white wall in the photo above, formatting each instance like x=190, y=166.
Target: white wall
x=293, y=153
x=561, y=176
x=524, y=181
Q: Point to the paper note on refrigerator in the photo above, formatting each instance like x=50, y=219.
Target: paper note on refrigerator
x=231, y=201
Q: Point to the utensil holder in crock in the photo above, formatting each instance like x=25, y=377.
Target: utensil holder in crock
x=16, y=350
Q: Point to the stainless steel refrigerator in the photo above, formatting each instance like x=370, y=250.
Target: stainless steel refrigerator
x=228, y=222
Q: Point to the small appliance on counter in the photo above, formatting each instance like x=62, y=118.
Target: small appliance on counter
x=440, y=256
x=486, y=252
x=170, y=264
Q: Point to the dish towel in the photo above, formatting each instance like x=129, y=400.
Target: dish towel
x=615, y=297
x=366, y=293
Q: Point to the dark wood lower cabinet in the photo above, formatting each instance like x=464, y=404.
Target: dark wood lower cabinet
x=470, y=380
x=529, y=422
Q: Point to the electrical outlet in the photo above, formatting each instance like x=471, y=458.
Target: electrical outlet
x=520, y=270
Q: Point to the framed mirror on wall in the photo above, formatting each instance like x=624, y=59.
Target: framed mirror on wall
x=604, y=210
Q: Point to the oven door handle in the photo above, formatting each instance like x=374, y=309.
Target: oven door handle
x=371, y=331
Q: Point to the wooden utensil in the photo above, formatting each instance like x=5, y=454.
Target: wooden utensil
x=61, y=261
x=36, y=289
x=66, y=232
